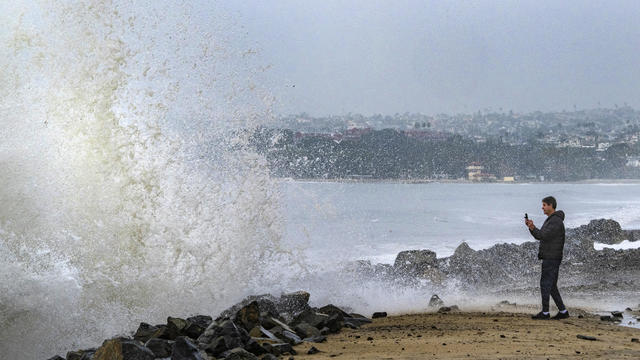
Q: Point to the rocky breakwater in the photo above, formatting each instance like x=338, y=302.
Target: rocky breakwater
x=515, y=266
x=259, y=327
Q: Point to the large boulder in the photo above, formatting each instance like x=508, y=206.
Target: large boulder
x=184, y=349
x=604, y=231
x=415, y=262
x=124, y=349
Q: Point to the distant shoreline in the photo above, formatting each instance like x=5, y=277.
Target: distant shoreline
x=458, y=181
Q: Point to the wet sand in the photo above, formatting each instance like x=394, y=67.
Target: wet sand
x=478, y=335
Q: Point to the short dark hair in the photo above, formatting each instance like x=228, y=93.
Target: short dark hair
x=550, y=200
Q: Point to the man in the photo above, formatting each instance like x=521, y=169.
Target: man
x=551, y=236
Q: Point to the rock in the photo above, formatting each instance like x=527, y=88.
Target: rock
x=315, y=339
x=282, y=325
x=220, y=337
x=414, y=262
x=57, y=357
x=164, y=332
x=305, y=330
x=120, y=348
x=291, y=337
x=284, y=349
x=248, y=316
x=356, y=322
x=608, y=318
x=312, y=318
x=635, y=340
x=605, y=231
x=254, y=347
x=294, y=302
x=435, y=301
x=332, y=310
x=145, y=332
x=266, y=303
x=269, y=357
x=464, y=250
x=86, y=354
x=446, y=309
x=585, y=337
x=239, y=354
x=176, y=326
x=380, y=314
x=184, y=349
x=160, y=348
x=334, y=323
x=617, y=314
x=313, y=350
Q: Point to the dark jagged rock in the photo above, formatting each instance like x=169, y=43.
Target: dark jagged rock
x=220, y=337
x=313, y=350
x=604, y=231
x=239, y=354
x=290, y=305
x=312, y=318
x=120, y=348
x=164, y=332
x=266, y=304
x=380, y=314
x=248, y=316
x=356, y=322
x=332, y=309
x=145, y=332
x=435, y=301
x=283, y=349
x=177, y=326
x=291, y=337
x=86, y=354
x=617, y=314
x=57, y=357
x=184, y=349
x=586, y=337
x=316, y=339
x=446, y=309
x=196, y=325
x=608, y=318
x=305, y=330
x=414, y=262
x=334, y=323
x=269, y=357
x=159, y=347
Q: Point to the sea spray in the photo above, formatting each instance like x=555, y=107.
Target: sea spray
x=127, y=192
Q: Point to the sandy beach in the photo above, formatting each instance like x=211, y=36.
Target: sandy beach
x=480, y=335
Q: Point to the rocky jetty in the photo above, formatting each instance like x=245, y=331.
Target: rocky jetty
x=259, y=327
x=514, y=266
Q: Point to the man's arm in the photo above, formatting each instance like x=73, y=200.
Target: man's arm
x=548, y=230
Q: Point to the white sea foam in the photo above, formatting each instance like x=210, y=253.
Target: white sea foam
x=121, y=197
x=624, y=245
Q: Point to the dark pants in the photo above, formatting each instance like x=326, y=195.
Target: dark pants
x=549, y=284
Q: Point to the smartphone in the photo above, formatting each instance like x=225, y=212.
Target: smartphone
x=526, y=216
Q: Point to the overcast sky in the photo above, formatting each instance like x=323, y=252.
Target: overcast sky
x=337, y=56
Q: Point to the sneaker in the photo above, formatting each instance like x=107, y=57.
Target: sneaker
x=560, y=316
x=541, y=316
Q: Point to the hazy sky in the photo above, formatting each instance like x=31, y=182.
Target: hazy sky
x=337, y=56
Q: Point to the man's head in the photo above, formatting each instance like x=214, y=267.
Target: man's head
x=549, y=205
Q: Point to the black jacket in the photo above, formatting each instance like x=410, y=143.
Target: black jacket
x=551, y=236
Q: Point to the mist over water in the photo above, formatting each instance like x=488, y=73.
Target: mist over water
x=126, y=193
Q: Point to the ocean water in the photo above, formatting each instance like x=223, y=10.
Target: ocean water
x=335, y=222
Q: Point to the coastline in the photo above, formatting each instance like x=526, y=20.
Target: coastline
x=479, y=335
x=459, y=181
